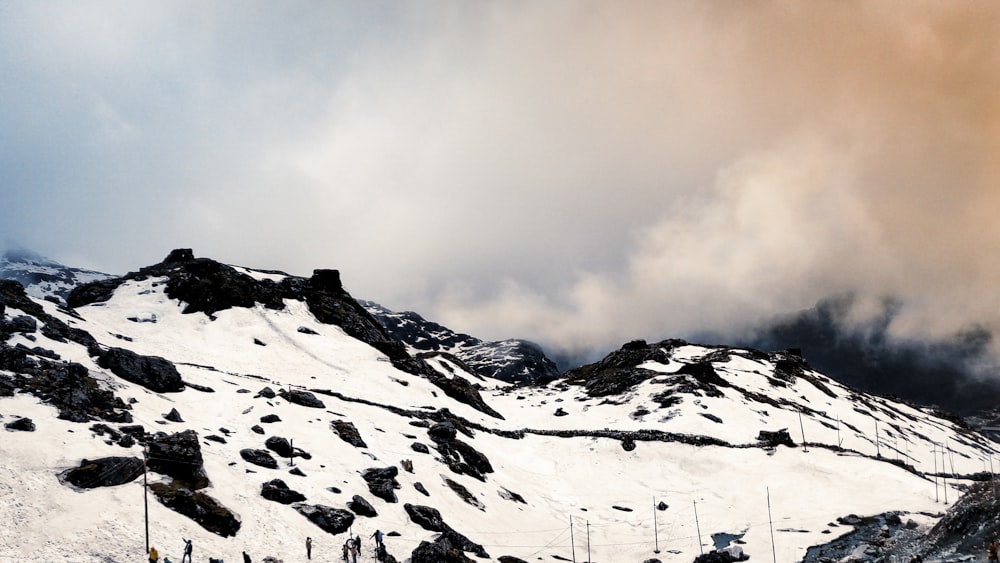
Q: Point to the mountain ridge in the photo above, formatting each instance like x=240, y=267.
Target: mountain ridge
x=280, y=401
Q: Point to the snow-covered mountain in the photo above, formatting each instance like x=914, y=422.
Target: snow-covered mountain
x=271, y=408
x=512, y=360
x=42, y=277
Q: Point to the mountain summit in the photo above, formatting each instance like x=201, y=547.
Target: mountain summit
x=263, y=409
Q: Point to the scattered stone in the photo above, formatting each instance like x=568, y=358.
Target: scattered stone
x=266, y=392
x=152, y=372
x=301, y=398
x=382, y=482
x=257, y=428
x=179, y=456
x=196, y=505
x=420, y=448
x=269, y=418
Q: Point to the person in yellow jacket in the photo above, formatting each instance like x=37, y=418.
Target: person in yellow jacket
x=154, y=556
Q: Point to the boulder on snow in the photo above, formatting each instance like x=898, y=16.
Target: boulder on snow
x=21, y=425
x=361, y=507
x=179, y=456
x=348, y=433
x=302, y=398
x=332, y=520
x=152, y=372
x=259, y=457
x=276, y=490
x=173, y=416
x=774, y=439
x=382, y=482
x=103, y=472
x=196, y=505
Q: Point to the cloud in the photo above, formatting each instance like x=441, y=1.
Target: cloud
x=577, y=173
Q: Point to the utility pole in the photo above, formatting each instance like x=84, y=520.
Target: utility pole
x=572, y=542
x=588, y=541
x=945, y=479
x=145, y=495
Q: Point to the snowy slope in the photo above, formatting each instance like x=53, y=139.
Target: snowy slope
x=593, y=473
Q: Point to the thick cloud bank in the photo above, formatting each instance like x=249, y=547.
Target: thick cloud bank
x=576, y=173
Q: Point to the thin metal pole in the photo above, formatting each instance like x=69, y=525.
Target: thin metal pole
x=770, y=522
x=878, y=452
x=145, y=496
x=803, y=430
x=944, y=482
x=993, y=482
x=934, y=455
x=656, y=531
x=698, y=527
x=588, y=541
x=572, y=542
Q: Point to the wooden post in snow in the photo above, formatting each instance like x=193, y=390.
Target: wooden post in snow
x=802, y=429
x=572, y=543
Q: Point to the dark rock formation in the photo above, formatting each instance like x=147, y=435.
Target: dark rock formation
x=259, y=457
x=196, y=505
x=66, y=386
x=361, y=507
x=276, y=490
x=179, y=456
x=442, y=432
x=382, y=482
x=104, y=472
x=332, y=520
x=511, y=559
x=420, y=448
x=302, y=398
x=429, y=518
x=348, y=433
x=774, y=439
x=21, y=425
x=152, y=372
x=173, y=416
x=269, y=418
x=267, y=393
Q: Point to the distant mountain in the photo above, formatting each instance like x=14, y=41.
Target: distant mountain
x=512, y=360
x=957, y=374
x=42, y=277
x=264, y=408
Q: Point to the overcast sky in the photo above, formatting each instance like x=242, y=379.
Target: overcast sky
x=577, y=173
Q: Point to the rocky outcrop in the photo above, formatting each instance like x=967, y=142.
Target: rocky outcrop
x=198, y=506
x=276, y=490
x=103, y=472
x=382, y=482
x=152, y=372
x=20, y=425
x=332, y=520
x=179, y=456
x=361, y=507
x=259, y=457
x=429, y=518
x=302, y=398
x=348, y=433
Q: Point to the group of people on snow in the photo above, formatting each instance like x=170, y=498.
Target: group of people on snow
x=351, y=550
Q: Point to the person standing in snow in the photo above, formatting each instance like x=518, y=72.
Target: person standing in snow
x=309, y=548
x=246, y=558
x=347, y=550
x=154, y=556
x=378, y=542
x=187, y=552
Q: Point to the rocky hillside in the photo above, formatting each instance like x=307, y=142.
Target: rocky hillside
x=266, y=408
x=512, y=360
